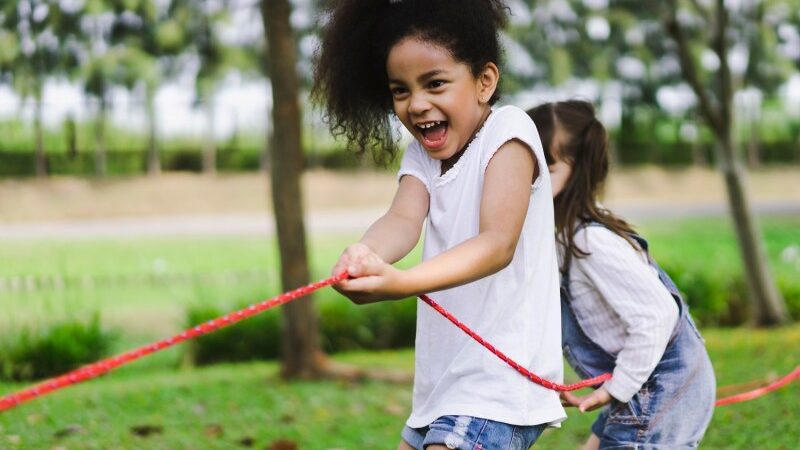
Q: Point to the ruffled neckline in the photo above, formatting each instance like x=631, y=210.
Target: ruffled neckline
x=453, y=172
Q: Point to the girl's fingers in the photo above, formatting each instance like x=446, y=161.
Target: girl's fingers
x=369, y=265
x=598, y=398
x=570, y=399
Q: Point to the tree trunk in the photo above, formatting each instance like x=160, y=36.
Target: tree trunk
x=209, y=144
x=753, y=147
x=766, y=301
x=153, y=157
x=264, y=161
x=41, y=159
x=300, y=338
x=753, y=135
x=70, y=136
x=698, y=156
x=100, y=162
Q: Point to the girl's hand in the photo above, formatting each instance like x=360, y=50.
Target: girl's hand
x=372, y=279
x=590, y=402
x=351, y=255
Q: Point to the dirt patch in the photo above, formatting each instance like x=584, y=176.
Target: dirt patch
x=181, y=194
x=653, y=185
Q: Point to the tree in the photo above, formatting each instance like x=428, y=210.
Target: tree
x=141, y=71
x=300, y=338
x=151, y=37
x=211, y=53
x=626, y=42
x=715, y=104
x=96, y=76
x=42, y=45
x=101, y=69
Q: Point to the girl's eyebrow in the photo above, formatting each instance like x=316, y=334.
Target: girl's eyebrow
x=430, y=74
x=422, y=78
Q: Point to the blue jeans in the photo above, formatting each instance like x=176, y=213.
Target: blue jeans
x=473, y=433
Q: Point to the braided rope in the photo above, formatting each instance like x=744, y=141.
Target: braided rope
x=755, y=393
x=522, y=370
x=104, y=366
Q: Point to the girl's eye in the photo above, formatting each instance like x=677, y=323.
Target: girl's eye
x=397, y=91
x=436, y=84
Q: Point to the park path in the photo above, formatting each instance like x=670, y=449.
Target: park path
x=336, y=202
x=324, y=222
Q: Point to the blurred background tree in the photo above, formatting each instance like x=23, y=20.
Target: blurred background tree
x=39, y=40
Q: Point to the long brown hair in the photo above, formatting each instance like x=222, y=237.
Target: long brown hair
x=583, y=144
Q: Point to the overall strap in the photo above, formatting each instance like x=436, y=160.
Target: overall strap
x=662, y=275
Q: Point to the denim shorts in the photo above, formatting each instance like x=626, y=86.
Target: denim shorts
x=473, y=433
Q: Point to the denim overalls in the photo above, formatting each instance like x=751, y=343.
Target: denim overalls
x=674, y=406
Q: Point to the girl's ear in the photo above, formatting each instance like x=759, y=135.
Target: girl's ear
x=487, y=82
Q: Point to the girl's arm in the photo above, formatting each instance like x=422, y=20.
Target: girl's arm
x=394, y=234
x=504, y=205
x=627, y=285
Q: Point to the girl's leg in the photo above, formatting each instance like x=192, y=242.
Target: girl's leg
x=593, y=443
x=404, y=446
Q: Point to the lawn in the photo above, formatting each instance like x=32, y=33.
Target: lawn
x=231, y=406
x=142, y=288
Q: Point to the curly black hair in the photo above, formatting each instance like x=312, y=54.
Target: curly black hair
x=350, y=77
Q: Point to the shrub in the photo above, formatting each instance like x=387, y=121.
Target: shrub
x=343, y=326
x=256, y=337
x=62, y=347
x=790, y=288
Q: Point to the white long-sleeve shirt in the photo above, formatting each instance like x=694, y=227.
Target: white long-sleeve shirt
x=622, y=306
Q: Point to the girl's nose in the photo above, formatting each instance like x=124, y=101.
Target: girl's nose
x=418, y=104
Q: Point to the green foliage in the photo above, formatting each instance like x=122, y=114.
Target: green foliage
x=343, y=327
x=122, y=162
x=384, y=325
x=702, y=257
x=256, y=338
x=54, y=350
x=713, y=300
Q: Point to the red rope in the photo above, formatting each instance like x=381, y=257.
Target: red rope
x=755, y=393
x=525, y=372
x=744, y=396
x=104, y=366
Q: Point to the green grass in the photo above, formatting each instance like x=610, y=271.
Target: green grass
x=217, y=407
x=136, y=288
x=710, y=244
x=132, y=284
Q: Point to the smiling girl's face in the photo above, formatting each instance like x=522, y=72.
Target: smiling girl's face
x=438, y=99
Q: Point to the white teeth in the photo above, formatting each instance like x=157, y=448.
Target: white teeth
x=427, y=125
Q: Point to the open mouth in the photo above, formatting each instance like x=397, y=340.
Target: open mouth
x=434, y=134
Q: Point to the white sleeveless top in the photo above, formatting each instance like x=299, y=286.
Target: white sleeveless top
x=516, y=309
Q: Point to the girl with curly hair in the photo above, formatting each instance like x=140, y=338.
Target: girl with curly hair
x=476, y=178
